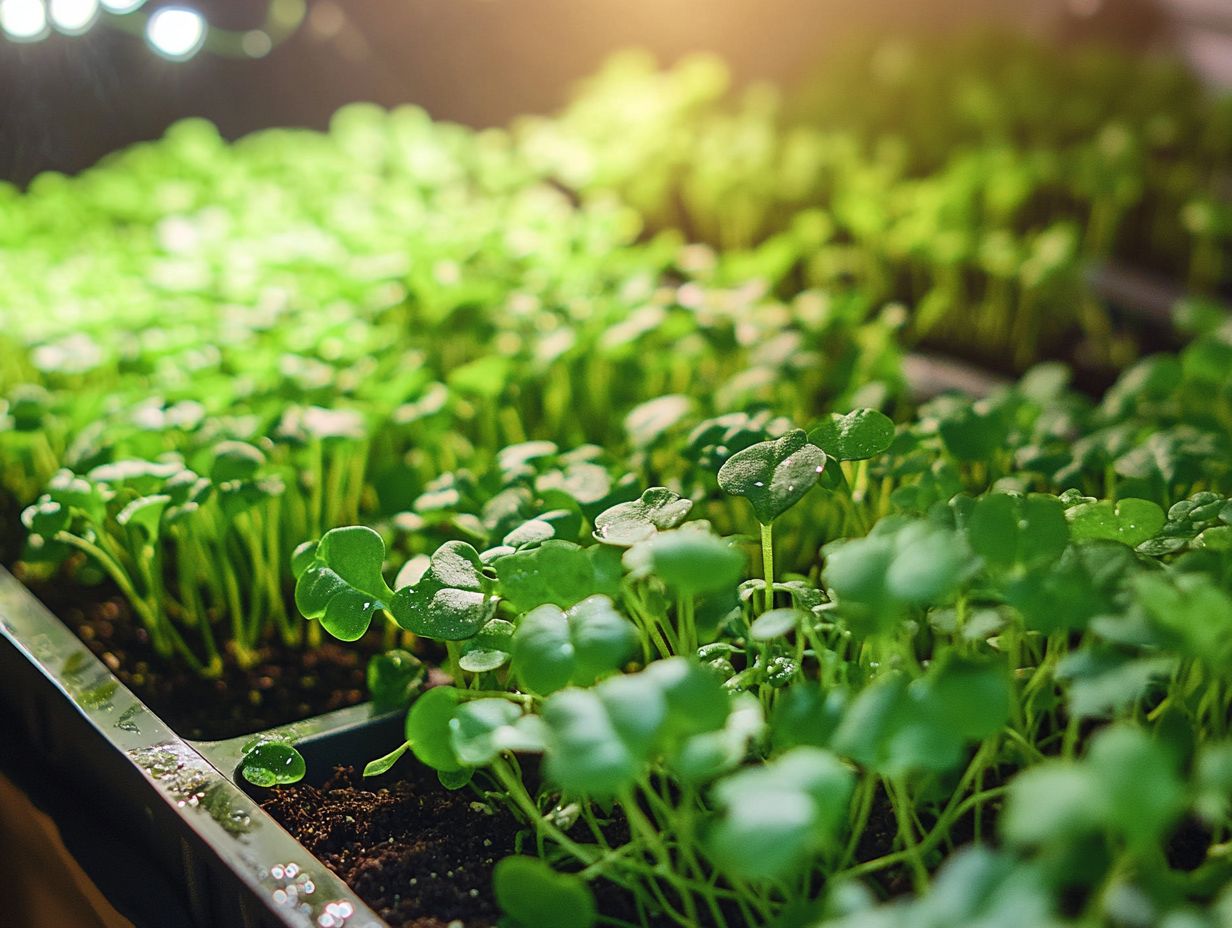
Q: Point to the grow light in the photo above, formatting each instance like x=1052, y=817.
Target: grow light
x=176, y=32
x=73, y=17
x=23, y=20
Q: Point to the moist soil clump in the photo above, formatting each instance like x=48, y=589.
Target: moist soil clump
x=285, y=685
x=419, y=855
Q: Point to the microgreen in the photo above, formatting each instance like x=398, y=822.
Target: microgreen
x=450, y=601
x=339, y=580
x=270, y=763
x=1129, y=521
x=535, y=896
x=998, y=620
x=774, y=817
x=856, y=436
x=773, y=475
x=553, y=648
x=625, y=524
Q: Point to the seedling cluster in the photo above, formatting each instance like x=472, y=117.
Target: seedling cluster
x=607, y=442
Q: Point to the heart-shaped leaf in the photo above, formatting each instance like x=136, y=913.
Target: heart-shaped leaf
x=775, y=816
x=910, y=562
x=557, y=572
x=488, y=650
x=553, y=648
x=480, y=730
x=773, y=475
x=451, y=601
x=598, y=740
x=1129, y=521
x=1021, y=532
x=628, y=523
x=861, y=434
x=339, y=580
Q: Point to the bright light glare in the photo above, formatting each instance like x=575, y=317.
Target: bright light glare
x=121, y=6
x=256, y=44
x=176, y=32
x=73, y=16
x=23, y=20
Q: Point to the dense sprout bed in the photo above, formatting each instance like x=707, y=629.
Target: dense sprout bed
x=604, y=415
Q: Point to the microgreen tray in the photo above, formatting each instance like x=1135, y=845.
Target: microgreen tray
x=179, y=799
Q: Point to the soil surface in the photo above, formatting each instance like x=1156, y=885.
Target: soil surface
x=286, y=685
x=419, y=855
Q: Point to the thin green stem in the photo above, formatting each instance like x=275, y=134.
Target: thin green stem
x=767, y=561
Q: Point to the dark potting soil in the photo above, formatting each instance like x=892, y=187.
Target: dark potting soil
x=419, y=855
x=286, y=685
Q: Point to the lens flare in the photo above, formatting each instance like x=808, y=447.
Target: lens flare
x=176, y=32
x=120, y=7
x=23, y=20
x=73, y=17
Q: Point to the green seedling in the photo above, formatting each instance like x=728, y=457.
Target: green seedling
x=773, y=476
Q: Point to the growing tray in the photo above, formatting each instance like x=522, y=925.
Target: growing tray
x=179, y=801
x=182, y=802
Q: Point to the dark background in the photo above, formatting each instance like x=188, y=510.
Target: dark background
x=67, y=101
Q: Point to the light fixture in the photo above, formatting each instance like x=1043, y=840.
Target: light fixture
x=23, y=20
x=176, y=32
x=73, y=17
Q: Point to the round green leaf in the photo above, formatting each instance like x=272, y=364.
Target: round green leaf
x=235, y=460
x=450, y=602
x=763, y=836
x=861, y=434
x=1017, y=531
x=1129, y=521
x=482, y=729
x=602, y=638
x=773, y=475
x=776, y=815
x=543, y=656
x=393, y=679
x=488, y=650
x=775, y=624
x=535, y=896
x=272, y=763
x=428, y=731
x=598, y=740
x=689, y=561
x=626, y=524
